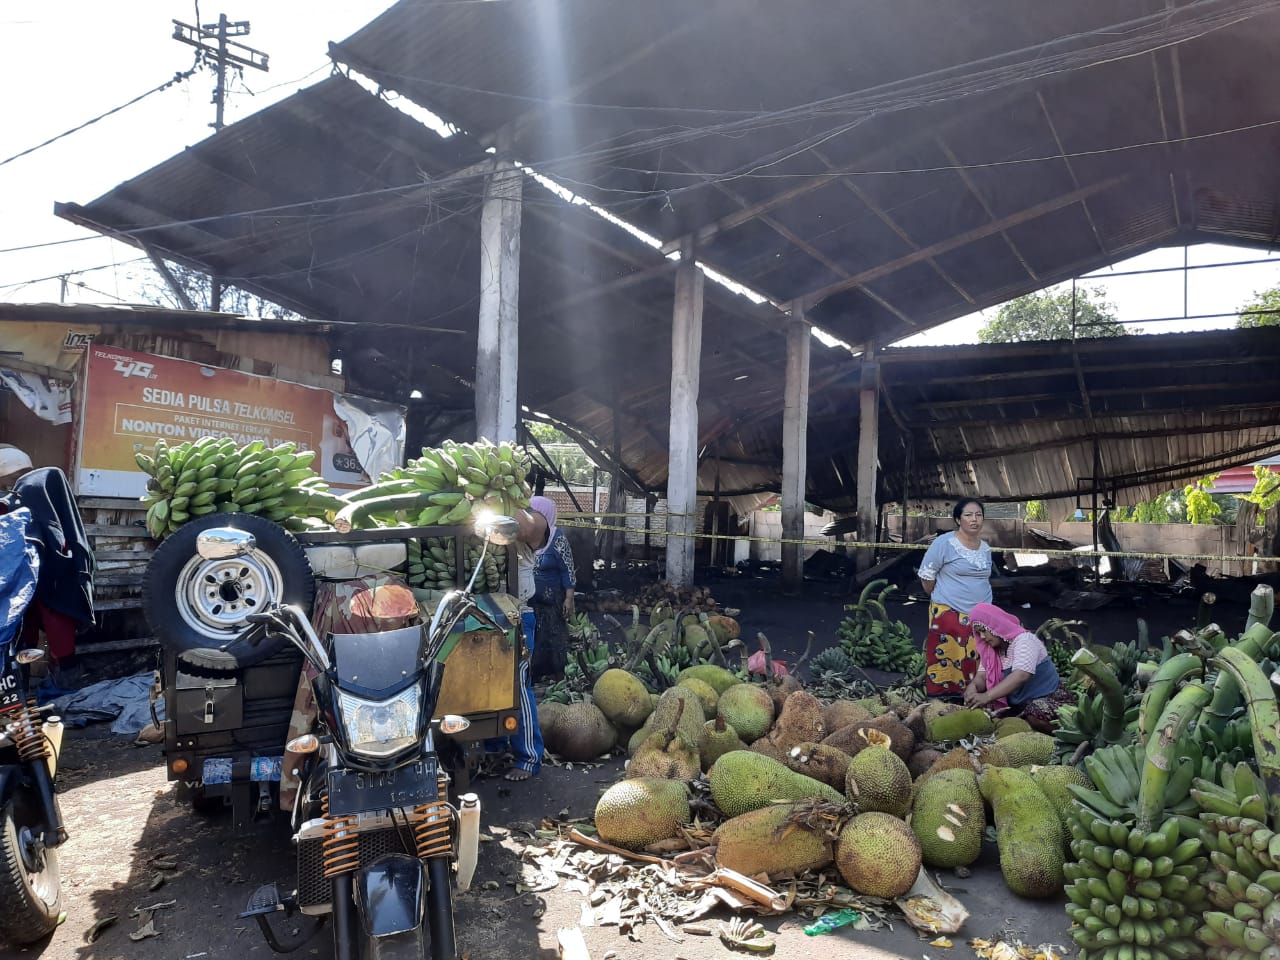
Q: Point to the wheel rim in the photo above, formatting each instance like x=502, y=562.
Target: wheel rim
x=214, y=597
x=39, y=867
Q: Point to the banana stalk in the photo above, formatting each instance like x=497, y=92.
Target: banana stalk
x=1226, y=692
x=1262, y=604
x=1160, y=753
x=1171, y=675
x=1104, y=678
x=1264, y=719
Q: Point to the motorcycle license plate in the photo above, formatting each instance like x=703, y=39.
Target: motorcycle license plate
x=354, y=791
x=10, y=688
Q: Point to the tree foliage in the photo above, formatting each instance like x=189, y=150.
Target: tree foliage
x=199, y=290
x=1266, y=490
x=1201, y=507
x=1262, y=300
x=1047, y=316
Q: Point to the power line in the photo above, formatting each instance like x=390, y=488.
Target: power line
x=177, y=78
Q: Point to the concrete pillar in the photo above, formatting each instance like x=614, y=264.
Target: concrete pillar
x=868, y=453
x=795, y=431
x=497, y=342
x=682, y=478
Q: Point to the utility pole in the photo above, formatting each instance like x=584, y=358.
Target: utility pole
x=212, y=40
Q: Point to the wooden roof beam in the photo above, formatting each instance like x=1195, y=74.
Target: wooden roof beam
x=972, y=187
x=883, y=216
x=959, y=240
x=1071, y=170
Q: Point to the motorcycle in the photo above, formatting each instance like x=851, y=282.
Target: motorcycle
x=375, y=830
x=31, y=826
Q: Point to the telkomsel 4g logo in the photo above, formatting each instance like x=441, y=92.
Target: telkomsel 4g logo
x=136, y=368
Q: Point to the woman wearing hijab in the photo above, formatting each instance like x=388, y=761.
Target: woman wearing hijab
x=554, y=577
x=1026, y=677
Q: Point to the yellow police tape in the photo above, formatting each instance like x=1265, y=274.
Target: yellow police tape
x=858, y=545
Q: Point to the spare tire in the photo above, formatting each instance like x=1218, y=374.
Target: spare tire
x=199, y=608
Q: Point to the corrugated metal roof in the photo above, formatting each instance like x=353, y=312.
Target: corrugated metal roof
x=897, y=163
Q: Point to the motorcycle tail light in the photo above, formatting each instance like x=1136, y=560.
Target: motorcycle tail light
x=510, y=723
x=452, y=723
x=307, y=743
x=179, y=765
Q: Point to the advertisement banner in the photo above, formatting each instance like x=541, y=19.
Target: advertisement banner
x=49, y=344
x=133, y=399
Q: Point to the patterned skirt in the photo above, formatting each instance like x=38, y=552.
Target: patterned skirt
x=950, y=656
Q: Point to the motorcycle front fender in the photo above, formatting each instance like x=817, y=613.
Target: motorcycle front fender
x=391, y=897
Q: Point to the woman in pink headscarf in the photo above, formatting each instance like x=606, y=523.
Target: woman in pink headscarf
x=555, y=577
x=1016, y=670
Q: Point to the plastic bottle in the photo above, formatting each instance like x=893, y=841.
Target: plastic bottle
x=830, y=921
x=468, y=838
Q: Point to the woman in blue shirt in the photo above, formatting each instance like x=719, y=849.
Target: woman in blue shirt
x=956, y=573
x=555, y=577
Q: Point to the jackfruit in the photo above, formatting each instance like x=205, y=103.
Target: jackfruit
x=707, y=696
x=582, y=733
x=748, y=709
x=640, y=736
x=622, y=697
x=548, y=713
x=922, y=760
x=877, y=779
x=666, y=753
x=841, y=713
x=878, y=855
x=696, y=639
x=948, y=818
x=1053, y=780
x=799, y=722
x=902, y=741
x=958, y=725
x=959, y=758
x=773, y=840
x=767, y=748
x=852, y=738
x=1007, y=726
x=635, y=813
x=780, y=688
x=819, y=761
x=1018, y=750
x=690, y=719
x=1028, y=832
x=743, y=780
x=718, y=738
x=920, y=717
x=718, y=678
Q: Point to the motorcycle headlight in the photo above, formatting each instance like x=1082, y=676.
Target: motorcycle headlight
x=380, y=728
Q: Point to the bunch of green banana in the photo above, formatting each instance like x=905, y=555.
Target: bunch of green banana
x=872, y=639
x=1132, y=887
x=443, y=487
x=1241, y=824
x=1083, y=722
x=1232, y=744
x=215, y=475
x=432, y=565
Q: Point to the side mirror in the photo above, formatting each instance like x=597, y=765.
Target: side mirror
x=500, y=530
x=225, y=543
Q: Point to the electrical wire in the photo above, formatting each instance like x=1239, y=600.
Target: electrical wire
x=177, y=78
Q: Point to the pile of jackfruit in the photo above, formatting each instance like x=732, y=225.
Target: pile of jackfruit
x=878, y=787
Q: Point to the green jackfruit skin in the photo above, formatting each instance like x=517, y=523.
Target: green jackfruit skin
x=714, y=743
x=935, y=809
x=747, y=708
x=706, y=694
x=638, y=738
x=743, y=780
x=959, y=725
x=1028, y=832
x=1008, y=726
x=622, y=697
x=582, y=733
x=841, y=713
x=763, y=841
x=1019, y=750
x=718, y=678
x=635, y=813
x=878, y=855
x=1052, y=781
x=877, y=779
x=691, y=719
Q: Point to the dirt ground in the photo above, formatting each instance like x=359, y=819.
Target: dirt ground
x=127, y=833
